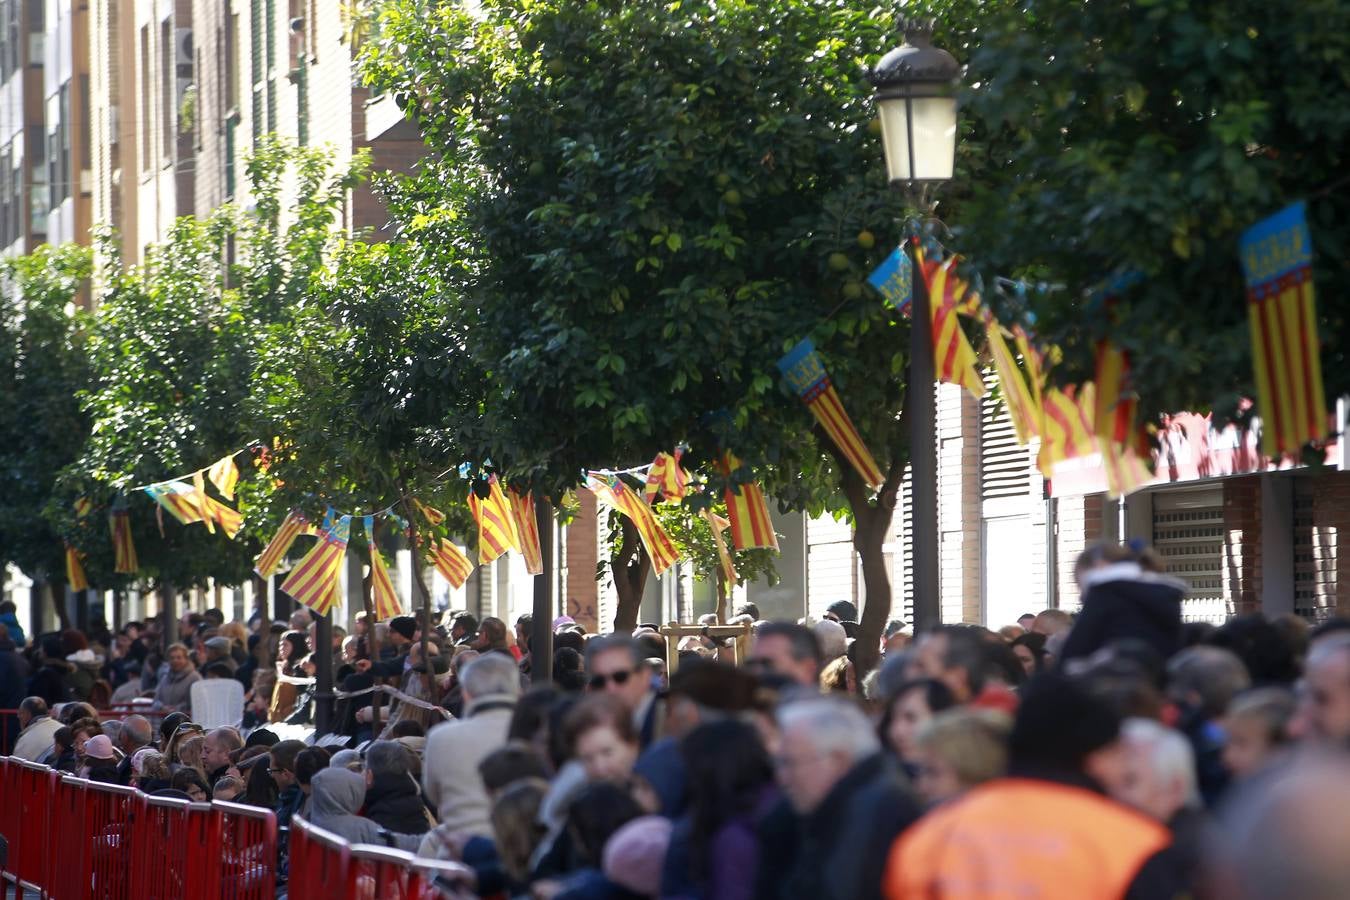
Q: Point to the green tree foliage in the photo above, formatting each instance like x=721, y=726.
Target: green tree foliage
x=173, y=351
x=1143, y=138
x=654, y=201
x=43, y=338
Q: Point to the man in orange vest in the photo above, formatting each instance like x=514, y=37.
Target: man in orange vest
x=1046, y=830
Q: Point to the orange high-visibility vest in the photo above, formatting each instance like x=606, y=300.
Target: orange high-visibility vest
x=1023, y=838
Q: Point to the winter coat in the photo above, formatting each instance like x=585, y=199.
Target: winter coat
x=175, y=690
x=11, y=623
x=1124, y=601
x=395, y=803
x=838, y=851
x=85, y=670
x=450, y=768
x=13, y=681
x=35, y=740
x=336, y=795
x=732, y=864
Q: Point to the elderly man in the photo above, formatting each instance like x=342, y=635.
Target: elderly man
x=845, y=803
x=174, y=693
x=136, y=733
x=38, y=727
x=491, y=686
x=617, y=665
x=216, y=750
x=784, y=648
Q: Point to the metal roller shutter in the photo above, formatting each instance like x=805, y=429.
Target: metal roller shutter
x=1188, y=535
x=831, y=566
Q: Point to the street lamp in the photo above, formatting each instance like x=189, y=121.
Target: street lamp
x=915, y=92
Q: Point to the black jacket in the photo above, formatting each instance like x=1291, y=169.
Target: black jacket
x=1122, y=601
x=395, y=804
x=839, y=851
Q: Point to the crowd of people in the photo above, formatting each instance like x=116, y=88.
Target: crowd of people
x=1118, y=752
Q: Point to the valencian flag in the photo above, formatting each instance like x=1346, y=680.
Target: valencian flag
x=313, y=581
x=527, y=529
x=1023, y=409
x=496, y=524
x=804, y=371
x=382, y=593
x=894, y=279
x=953, y=357
x=179, y=499
x=1277, y=260
x=75, y=570
x=1066, y=425
x=124, y=550
x=657, y=542
x=451, y=562
x=667, y=478
x=224, y=474
x=270, y=559
x=748, y=511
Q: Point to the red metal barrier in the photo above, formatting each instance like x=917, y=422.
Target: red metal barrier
x=246, y=867
x=31, y=847
x=162, y=841
x=320, y=863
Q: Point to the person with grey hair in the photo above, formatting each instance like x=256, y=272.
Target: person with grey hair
x=845, y=804
x=616, y=664
x=1202, y=682
x=832, y=637
x=136, y=733
x=491, y=686
x=1283, y=835
x=347, y=759
x=1160, y=782
x=38, y=728
x=393, y=798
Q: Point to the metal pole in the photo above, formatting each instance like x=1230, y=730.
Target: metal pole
x=323, y=694
x=541, y=628
x=923, y=458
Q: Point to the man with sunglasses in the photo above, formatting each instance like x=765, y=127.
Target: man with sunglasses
x=616, y=664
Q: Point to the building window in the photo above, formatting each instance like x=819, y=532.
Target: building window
x=147, y=102
x=58, y=145
x=86, y=152
x=232, y=62
x=9, y=232
x=168, y=90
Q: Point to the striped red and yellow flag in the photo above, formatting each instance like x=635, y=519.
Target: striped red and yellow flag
x=224, y=474
x=751, y=526
x=667, y=478
x=660, y=547
x=270, y=559
x=1066, y=425
x=203, y=502
x=496, y=524
x=382, y=594
x=430, y=513
x=313, y=581
x=1114, y=414
x=954, y=360
x=527, y=528
x=451, y=562
x=229, y=520
x=1023, y=409
x=83, y=507
x=724, y=560
x=75, y=570
x=179, y=499
x=1126, y=471
x=805, y=373
x=124, y=549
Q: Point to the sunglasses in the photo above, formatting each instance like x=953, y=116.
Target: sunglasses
x=598, y=682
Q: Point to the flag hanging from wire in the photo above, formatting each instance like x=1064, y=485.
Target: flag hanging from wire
x=430, y=513
x=1066, y=425
x=270, y=559
x=1017, y=396
x=724, y=560
x=1282, y=315
x=75, y=570
x=667, y=478
x=451, y=562
x=178, y=499
x=202, y=501
x=313, y=581
x=527, y=529
x=660, y=548
x=83, y=507
x=894, y=279
x=748, y=511
x=224, y=474
x=124, y=549
x=805, y=373
x=496, y=524
x=382, y=594
x=954, y=360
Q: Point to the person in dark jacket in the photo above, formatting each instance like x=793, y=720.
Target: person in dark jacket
x=282, y=769
x=393, y=798
x=1124, y=596
x=51, y=680
x=846, y=803
x=13, y=684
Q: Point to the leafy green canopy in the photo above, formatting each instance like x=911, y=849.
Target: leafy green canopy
x=1144, y=137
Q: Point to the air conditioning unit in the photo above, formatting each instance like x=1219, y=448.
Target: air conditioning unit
x=182, y=44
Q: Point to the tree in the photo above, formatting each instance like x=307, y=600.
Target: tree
x=1143, y=138
x=173, y=352
x=655, y=201
x=42, y=368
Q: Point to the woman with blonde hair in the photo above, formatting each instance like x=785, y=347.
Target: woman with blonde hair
x=515, y=821
x=190, y=755
x=959, y=749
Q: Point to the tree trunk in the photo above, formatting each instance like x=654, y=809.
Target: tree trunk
x=56, y=590
x=543, y=610
x=428, y=673
x=630, y=570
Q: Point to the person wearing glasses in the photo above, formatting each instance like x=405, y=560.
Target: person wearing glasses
x=617, y=665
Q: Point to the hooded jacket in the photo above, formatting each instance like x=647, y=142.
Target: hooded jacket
x=335, y=796
x=1124, y=601
x=395, y=802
